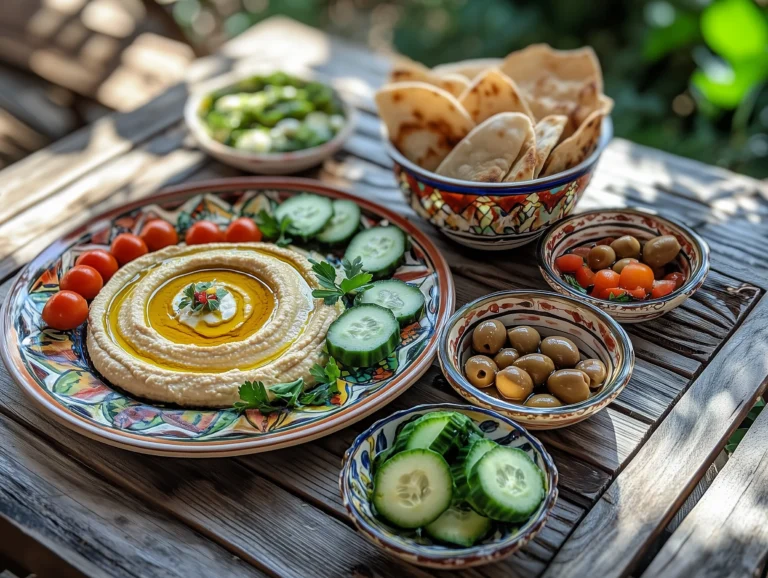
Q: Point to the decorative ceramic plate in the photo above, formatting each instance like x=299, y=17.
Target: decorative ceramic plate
x=53, y=366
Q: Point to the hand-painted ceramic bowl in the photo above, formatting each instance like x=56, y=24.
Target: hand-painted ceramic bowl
x=263, y=163
x=494, y=216
x=595, y=333
x=356, y=485
x=592, y=226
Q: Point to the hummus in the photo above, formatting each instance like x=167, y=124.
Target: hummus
x=189, y=325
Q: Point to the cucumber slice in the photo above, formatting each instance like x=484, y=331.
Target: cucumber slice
x=413, y=488
x=439, y=433
x=506, y=485
x=309, y=214
x=468, y=457
x=344, y=223
x=363, y=335
x=460, y=526
x=405, y=301
x=380, y=248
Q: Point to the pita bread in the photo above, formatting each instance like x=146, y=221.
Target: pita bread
x=548, y=132
x=492, y=148
x=409, y=71
x=525, y=164
x=467, y=68
x=424, y=122
x=577, y=147
x=491, y=93
x=538, y=62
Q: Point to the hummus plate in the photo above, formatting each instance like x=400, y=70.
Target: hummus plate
x=58, y=368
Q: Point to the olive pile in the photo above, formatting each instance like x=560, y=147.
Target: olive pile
x=518, y=361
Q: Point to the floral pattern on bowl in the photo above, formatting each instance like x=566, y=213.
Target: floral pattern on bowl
x=494, y=216
x=356, y=486
x=595, y=333
x=596, y=225
x=53, y=366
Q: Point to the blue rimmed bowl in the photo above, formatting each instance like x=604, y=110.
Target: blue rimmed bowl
x=593, y=226
x=595, y=333
x=356, y=485
x=494, y=216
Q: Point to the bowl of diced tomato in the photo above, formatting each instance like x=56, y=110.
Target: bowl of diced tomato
x=633, y=264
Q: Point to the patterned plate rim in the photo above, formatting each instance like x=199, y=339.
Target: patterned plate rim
x=333, y=423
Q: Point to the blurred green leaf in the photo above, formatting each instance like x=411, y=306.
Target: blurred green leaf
x=737, y=30
x=726, y=86
x=662, y=40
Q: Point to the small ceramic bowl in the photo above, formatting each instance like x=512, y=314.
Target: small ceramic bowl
x=356, y=485
x=263, y=163
x=595, y=333
x=599, y=224
x=494, y=216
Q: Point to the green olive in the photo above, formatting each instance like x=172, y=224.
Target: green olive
x=506, y=357
x=600, y=257
x=514, y=383
x=595, y=369
x=659, y=251
x=543, y=400
x=489, y=336
x=569, y=385
x=538, y=366
x=524, y=338
x=561, y=350
x=619, y=265
x=480, y=370
x=626, y=247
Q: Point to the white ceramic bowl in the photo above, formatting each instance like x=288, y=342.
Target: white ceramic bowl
x=264, y=163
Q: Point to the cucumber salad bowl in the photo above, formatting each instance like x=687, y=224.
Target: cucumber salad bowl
x=448, y=486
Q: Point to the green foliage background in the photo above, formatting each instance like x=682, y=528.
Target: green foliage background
x=688, y=76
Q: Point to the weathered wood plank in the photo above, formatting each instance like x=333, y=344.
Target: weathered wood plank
x=61, y=505
x=651, y=392
x=738, y=249
x=726, y=533
x=645, y=496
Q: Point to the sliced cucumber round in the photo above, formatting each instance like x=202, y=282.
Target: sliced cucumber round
x=380, y=248
x=344, y=223
x=413, y=488
x=467, y=458
x=506, y=485
x=461, y=526
x=405, y=301
x=363, y=335
x=309, y=214
x=439, y=433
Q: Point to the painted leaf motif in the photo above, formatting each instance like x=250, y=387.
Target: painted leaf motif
x=138, y=418
x=81, y=385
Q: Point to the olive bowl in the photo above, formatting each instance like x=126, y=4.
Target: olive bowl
x=356, y=487
x=595, y=333
x=277, y=163
x=593, y=226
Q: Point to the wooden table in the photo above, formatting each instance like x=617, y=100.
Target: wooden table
x=71, y=506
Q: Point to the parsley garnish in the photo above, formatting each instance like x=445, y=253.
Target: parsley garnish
x=197, y=298
x=331, y=291
x=273, y=229
x=625, y=298
x=571, y=280
x=326, y=378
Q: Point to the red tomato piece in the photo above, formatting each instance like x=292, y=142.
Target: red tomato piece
x=569, y=263
x=585, y=276
x=100, y=260
x=677, y=277
x=638, y=293
x=126, y=247
x=65, y=310
x=603, y=279
x=662, y=288
x=204, y=232
x=582, y=252
x=158, y=234
x=608, y=291
x=83, y=280
x=242, y=230
x=636, y=275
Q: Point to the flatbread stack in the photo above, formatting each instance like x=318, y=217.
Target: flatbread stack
x=537, y=113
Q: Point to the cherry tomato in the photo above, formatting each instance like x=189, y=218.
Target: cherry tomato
x=582, y=252
x=126, y=247
x=637, y=293
x=100, y=260
x=158, y=234
x=204, y=232
x=65, y=310
x=677, y=277
x=604, y=279
x=242, y=230
x=662, y=288
x=608, y=291
x=606, y=241
x=584, y=276
x=636, y=275
x=569, y=263
x=83, y=280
